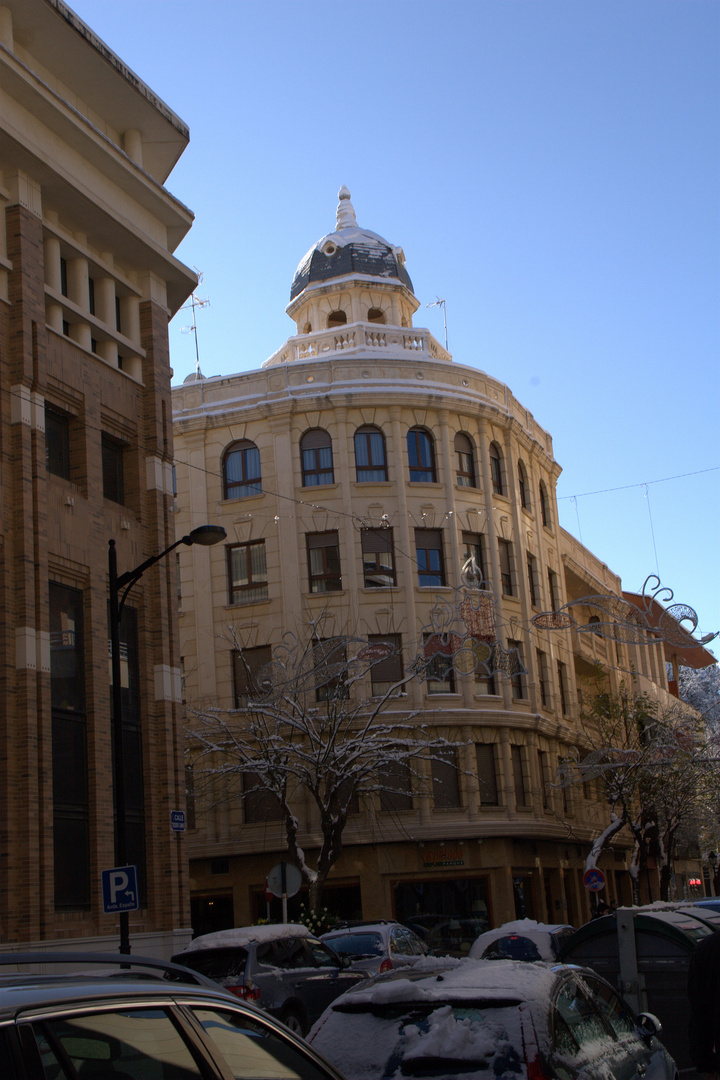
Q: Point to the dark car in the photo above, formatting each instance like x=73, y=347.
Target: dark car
x=377, y=947
x=282, y=968
x=477, y=1020
x=138, y=1026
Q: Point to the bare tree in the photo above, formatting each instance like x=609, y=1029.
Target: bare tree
x=308, y=722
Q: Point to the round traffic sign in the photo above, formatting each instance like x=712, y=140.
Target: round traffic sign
x=293, y=879
x=594, y=879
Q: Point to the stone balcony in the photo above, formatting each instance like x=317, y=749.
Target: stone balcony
x=361, y=339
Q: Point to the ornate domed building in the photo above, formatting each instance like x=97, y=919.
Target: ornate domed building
x=365, y=480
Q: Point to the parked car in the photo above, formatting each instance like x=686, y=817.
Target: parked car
x=283, y=968
x=479, y=1021
x=448, y=936
x=523, y=939
x=377, y=947
x=712, y=902
x=137, y=1026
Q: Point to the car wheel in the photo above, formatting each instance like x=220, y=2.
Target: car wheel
x=292, y=1019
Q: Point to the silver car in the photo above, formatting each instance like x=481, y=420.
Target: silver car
x=377, y=947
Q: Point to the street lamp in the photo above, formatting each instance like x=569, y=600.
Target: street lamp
x=206, y=535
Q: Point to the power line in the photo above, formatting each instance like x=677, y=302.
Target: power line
x=644, y=483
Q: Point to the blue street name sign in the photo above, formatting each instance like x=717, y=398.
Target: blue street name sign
x=120, y=891
x=177, y=820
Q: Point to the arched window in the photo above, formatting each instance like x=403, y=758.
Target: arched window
x=316, y=458
x=370, y=461
x=464, y=461
x=241, y=470
x=544, y=506
x=496, y=469
x=336, y=318
x=523, y=486
x=375, y=315
x=421, y=455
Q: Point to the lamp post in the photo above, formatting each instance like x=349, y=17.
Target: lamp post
x=120, y=586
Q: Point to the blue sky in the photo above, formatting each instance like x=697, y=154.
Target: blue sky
x=550, y=168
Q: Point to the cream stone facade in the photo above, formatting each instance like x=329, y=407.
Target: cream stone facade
x=355, y=472
x=88, y=279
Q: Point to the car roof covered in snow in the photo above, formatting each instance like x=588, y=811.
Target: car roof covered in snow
x=241, y=936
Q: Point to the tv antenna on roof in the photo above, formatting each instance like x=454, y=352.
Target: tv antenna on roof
x=441, y=303
x=195, y=303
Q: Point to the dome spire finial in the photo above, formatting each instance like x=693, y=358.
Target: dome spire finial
x=345, y=211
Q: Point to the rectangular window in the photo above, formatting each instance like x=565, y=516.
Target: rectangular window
x=474, y=547
x=57, y=442
x=544, y=777
x=247, y=573
x=533, y=586
x=518, y=776
x=518, y=679
x=507, y=569
x=323, y=553
x=91, y=296
x=389, y=670
x=554, y=594
x=487, y=774
x=429, y=555
x=330, y=670
x=543, y=679
x=259, y=803
x=118, y=320
x=395, y=782
x=71, y=808
x=563, y=687
x=63, y=276
x=445, y=780
x=247, y=665
x=112, y=469
x=378, y=558
x=439, y=668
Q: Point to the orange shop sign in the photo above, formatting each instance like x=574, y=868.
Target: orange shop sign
x=436, y=858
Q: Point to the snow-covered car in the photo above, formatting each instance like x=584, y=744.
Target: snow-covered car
x=377, y=947
x=283, y=968
x=471, y=1020
x=523, y=939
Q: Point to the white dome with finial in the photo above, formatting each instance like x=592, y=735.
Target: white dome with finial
x=349, y=250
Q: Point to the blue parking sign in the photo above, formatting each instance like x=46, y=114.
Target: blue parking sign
x=120, y=891
x=177, y=820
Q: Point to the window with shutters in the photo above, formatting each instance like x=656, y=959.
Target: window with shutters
x=446, y=780
x=323, y=552
x=389, y=670
x=241, y=470
x=507, y=567
x=429, y=555
x=516, y=757
x=247, y=673
x=519, y=686
x=259, y=802
x=395, y=781
x=487, y=774
x=543, y=678
x=378, y=558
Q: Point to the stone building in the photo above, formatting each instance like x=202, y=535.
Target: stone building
x=356, y=472
x=88, y=280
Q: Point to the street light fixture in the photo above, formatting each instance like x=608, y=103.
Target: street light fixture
x=206, y=536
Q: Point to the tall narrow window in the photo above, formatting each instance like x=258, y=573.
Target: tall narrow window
x=57, y=442
x=247, y=573
x=63, y=276
x=445, y=780
x=248, y=682
x=439, y=668
x=553, y=590
x=487, y=774
x=464, y=461
x=429, y=555
x=421, y=456
x=389, y=670
x=518, y=776
x=316, y=458
x=378, y=558
x=507, y=567
x=71, y=808
x=533, y=590
x=543, y=678
x=259, y=803
x=474, y=548
x=112, y=469
x=496, y=469
x=324, y=562
x=241, y=470
x=544, y=506
x=370, y=461
x=523, y=487
x=518, y=679
x=544, y=777
x=395, y=782
x=331, y=670
x=91, y=296
x=563, y=687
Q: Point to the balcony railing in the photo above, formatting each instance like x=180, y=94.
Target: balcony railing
x=361, y=338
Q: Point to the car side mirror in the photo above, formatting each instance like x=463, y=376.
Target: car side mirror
x=345, y=961
x=649, y=1025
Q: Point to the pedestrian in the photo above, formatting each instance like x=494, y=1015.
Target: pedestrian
x=704, y=994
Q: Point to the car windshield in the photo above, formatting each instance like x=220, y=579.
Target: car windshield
x=216, y=963
x=378, y=1041
x=357, y=944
